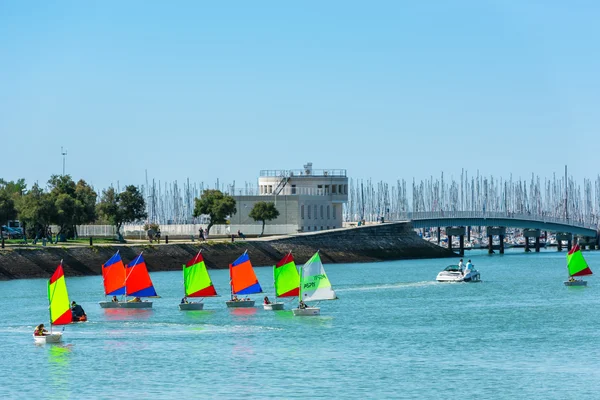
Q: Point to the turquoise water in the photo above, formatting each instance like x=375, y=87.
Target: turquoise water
x=394, y=333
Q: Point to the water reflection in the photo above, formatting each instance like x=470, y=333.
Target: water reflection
x=126, y=314
x=59, y=360
x=243, y=311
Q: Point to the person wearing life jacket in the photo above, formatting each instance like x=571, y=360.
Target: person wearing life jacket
x=39, y=330
x=78, y=313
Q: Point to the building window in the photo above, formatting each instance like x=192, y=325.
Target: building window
x=302, y=211
x=334, y=212
x=316, y=228
x=326, y=189
x=345, y=189
x=321, y=213
x=293, y=189
x=333, y=189
x=320, y=190
x=327, y=227
x=327, y=213
x=321, y=228
x=315, y=212
x=309, y=208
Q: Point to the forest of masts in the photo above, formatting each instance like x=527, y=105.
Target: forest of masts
x=369, y=200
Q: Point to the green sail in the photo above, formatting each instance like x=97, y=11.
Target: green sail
x=576, y=264
x=196, y=279
x=287, y=280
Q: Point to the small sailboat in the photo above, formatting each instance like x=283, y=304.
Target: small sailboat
x=113, y=275
x=60, y=309
x=138, y=284
x=243, y=281
x=286, y=281
x=197, y=283
x=576, y=266
x=314, y=286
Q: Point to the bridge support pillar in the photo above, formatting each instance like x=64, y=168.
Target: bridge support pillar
x=563, y=237
x=457, y=231
x=469, y=234
x=532, y=233
x=438, y=235
x=559, y=245
x=449, y=242
x=569, y=245
x=495, y=231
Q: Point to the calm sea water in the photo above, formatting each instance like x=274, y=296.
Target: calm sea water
x=394, y=333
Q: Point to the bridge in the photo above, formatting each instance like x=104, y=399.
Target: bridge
x=497, y=222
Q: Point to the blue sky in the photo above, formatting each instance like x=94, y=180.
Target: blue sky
x=386, y=90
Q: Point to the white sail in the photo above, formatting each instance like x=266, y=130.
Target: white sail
x=314, y=284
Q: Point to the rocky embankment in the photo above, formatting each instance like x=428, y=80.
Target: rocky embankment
x=370, y=243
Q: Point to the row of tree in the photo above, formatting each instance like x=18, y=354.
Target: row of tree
x=67, y=204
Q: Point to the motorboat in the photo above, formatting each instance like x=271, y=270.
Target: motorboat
x=453, y=273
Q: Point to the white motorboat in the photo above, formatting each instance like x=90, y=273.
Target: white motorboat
x=453, y=273
x=54, y=337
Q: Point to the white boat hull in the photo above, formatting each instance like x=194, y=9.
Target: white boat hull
x=306, y=312
x=575, y=283
x=55, y=337
x=109, y=304
x=240, y=304
x=191, y=306
x=273, y=306
x=125, y=304
x=446, y=276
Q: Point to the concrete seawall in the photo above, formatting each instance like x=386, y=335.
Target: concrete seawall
x=370, y=243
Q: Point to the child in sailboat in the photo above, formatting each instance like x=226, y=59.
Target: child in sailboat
x=266, y=300
x=302, y=305
x=184, y=300
x=39, y=330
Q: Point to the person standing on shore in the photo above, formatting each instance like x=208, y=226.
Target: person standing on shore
x=201, y=234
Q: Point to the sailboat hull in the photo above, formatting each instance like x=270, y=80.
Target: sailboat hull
x=139, y=304
x=55, y=337
x=125, y=304
x=306, y=312
x=273, y=306
x=575, y=283
x=191, y=306
x=240, y=304
x=109, y=304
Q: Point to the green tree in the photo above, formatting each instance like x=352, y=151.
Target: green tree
x=7, y=209
x=10, y=195
x=215, y=204
x=37, y=210
x=119, y=208
x=75, y=203
x=264, y=211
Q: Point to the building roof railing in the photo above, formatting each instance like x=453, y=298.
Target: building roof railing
x=282, y=173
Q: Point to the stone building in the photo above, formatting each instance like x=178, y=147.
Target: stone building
x=308, y=198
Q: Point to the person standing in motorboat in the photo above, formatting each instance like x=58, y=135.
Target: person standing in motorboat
x=469, y=268
x=461, y=266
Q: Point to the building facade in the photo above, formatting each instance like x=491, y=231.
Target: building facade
x=311, y=199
